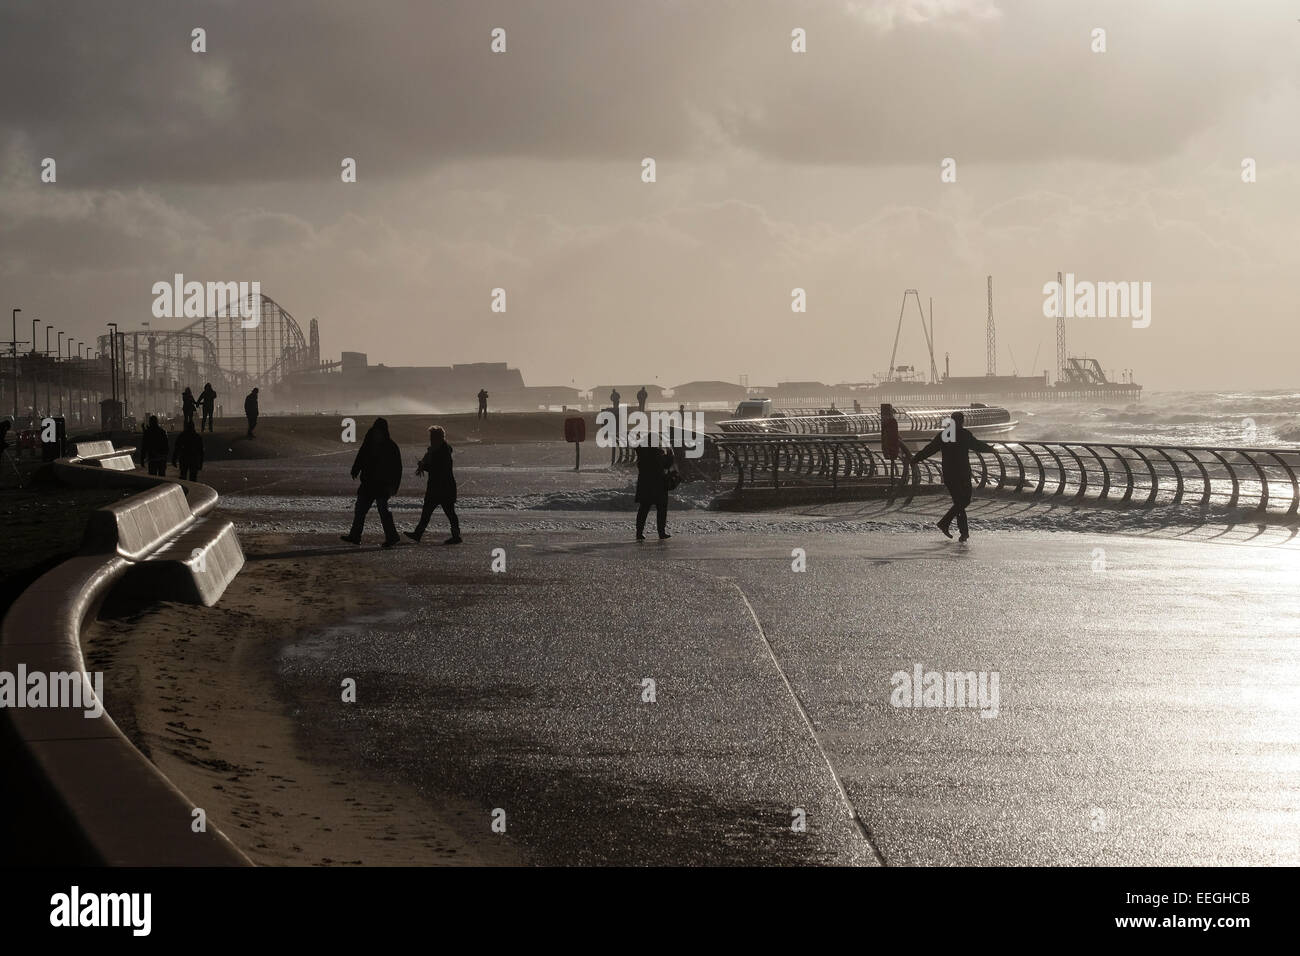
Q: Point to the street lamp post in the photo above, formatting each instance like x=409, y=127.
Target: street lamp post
x=112, y=365
x=77, y=372
x=49, y=371
x=35, y=322
x=63, y=369
x=15, y=351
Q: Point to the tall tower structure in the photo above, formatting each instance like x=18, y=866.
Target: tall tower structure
x=313, y=343
x=1060, y=329
x=991, y=336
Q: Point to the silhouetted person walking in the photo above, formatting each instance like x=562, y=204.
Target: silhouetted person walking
x=188, y=404
x=956, y=470
x=652, y=467
x=153, y=446
x=187, y=453
x=250, y=411
x=482, y=402
x=440, y=486
x=891, y=445
x=641, y=396
x=207, y=401
x=4, y=451
x=379, y=464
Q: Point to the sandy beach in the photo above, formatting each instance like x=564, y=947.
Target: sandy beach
x=195, y=689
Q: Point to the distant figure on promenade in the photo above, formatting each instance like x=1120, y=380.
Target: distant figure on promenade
x=482, y=402
x=207, y=401
x=187, y=454
x=857, y=407
x=440, y=486
x=153, y=445
x=188, y=404
x=614, y=399
x=956, y=470
x=890, y=443
x=250, y=411
x=4, y=450
x=379, y=464
x=653, y=467
x=641, y=396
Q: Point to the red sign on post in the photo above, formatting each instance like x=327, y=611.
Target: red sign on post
x=575, y=429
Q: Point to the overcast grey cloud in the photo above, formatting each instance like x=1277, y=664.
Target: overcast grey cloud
x=776, y=170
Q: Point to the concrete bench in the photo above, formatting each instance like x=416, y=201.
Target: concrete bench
x=102, y=454
x=90, y=795
x=195, y=566
x=91, y=449
x=138, y=525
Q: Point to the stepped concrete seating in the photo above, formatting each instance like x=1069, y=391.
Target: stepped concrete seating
x=83, y=789
x=196, y=565
x=102, y=454
x=78, y=782
x=175, y=554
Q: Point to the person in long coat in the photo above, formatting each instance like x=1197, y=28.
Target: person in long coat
x=207, y=401
x=187, y=453
x=379, y=465
x=440, y=485
x=955, y=446
x=153, y=446
x=251, y=411
x=652, y=467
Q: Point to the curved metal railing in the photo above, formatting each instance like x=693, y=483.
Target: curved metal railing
x=1263, y=480
x=915, y=419
x=781, y=460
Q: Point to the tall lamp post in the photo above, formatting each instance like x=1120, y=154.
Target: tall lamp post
x=72, y=373
x=112, y=365
x=63, y=369
x=15, y=351
x=35, y=322
x=49, y=371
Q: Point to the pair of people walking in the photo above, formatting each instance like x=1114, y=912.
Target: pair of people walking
x=187, y=453
x=204, y=403
x=379, y=466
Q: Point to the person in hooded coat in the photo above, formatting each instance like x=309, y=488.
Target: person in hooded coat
x=379, y=465
x=207, y=401
x=955, y=446
x=187, y=453
x=440, y=487
x=652, y=466
x=153, y=446
x=188, y=404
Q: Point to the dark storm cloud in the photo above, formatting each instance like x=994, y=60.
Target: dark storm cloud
x=288, y=88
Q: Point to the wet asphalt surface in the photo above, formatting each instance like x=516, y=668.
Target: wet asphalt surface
x=1148, y=713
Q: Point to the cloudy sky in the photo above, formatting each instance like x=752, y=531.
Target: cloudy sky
x=775, y=170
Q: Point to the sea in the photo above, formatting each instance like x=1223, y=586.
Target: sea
x=1231, y=419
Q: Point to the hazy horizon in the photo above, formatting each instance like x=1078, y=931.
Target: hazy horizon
x=775, y=170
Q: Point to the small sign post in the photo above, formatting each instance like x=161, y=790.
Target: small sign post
x=575, y=430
